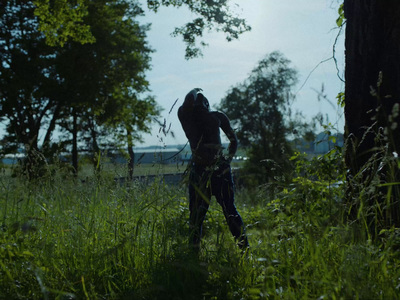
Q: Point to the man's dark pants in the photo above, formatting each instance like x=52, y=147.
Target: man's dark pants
x=205, y=182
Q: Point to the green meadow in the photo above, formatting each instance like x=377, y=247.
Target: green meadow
x=64, y=238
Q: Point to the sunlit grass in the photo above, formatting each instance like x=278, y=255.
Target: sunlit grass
x=99, y=240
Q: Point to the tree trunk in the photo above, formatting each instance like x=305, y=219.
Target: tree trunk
x=95, y=149
x=74, y=143
x=131, y=159
x=51, y=128
x=372, y=96
x=34, y=164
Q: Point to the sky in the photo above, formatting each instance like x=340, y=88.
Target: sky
x=304, y=31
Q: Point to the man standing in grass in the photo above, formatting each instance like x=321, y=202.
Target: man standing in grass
x=210, y=171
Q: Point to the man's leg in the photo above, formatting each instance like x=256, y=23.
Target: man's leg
x=199, y=201
x=223, y=190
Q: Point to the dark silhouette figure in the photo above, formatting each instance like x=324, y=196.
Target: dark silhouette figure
x=210, y=171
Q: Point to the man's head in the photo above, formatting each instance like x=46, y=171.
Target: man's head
x=201, y=102
x=191, y=98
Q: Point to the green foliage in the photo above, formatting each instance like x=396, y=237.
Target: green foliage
x=317, y=187
x=25, y=60
x=213, y=14
x=341, y=18
x=260, y=109
x=63, y=20
x=82, y=89
x=340, y=99
x=103, y=81
x=257, y=105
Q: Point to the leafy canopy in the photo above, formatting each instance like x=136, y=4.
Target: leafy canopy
x=61, y=20
x=80, y=89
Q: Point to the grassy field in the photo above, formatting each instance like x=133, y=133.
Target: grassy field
x=64, y=239
x=120, y=170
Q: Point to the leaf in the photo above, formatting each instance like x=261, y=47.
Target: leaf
x=341, y=18
x=332, y=139
x=340, y=99
x=339, y=21
x=27, y=253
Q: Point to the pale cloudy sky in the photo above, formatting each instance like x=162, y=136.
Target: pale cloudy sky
x=303, y=30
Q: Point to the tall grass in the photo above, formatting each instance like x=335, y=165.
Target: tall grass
x=64, y=239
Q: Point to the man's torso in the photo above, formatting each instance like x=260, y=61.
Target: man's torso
x=202, y=128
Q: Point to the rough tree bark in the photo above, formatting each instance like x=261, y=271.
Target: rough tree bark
x=372, y=50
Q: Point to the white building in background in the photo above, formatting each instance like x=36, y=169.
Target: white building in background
x=325, y=142
x=152, y=155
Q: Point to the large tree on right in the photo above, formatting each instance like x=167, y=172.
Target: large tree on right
x=372, y=97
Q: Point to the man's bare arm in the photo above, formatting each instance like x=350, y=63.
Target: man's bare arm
x=230, y=133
